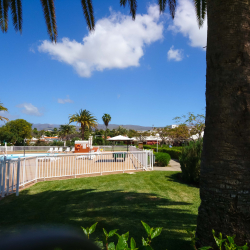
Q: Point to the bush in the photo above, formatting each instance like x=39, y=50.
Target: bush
x=174, y=152
x=162, y=159
x=190, y=160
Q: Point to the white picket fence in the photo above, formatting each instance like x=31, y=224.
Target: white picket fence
x=46, y=148
x=17, y=173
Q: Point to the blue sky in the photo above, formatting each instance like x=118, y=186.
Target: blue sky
x=143, y=73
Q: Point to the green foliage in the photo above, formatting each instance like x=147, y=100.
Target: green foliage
x=16, y=131
x=174, y=152
x=190, y=160
x=123, y=240
x=227, y=244
x=162, y=159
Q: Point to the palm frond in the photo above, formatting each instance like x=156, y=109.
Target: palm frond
x=132, y=6
x=16, y=11
x=172, y=6
x=88, y=12
x=50, y=18
x=123, y=3
x=4, y=7
x=201, y=9
x=162, y=5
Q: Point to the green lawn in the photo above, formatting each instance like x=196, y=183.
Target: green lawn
x=115, y=201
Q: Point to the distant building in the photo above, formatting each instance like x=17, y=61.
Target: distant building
x=174, y=126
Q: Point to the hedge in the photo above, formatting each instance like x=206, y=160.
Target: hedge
x=162, y=159
x=174, y=153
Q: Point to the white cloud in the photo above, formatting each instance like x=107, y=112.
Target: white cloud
x=175, y=54
x=29, y=109
x=117, y=42
x=185, y=22
x=66, y=100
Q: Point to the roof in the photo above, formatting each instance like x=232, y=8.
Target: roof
x=119, y=138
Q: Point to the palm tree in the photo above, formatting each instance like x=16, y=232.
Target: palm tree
x=2, y=108
x=225, y=175
x=85, y=119
x=106, y=119
x=66, y=130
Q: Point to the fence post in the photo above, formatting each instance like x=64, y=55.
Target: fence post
x=18, y=177
x=8, y=177
x=4, y=173
x=1, y=166
x=75, y=166
x=36, y=168
x=23, y=170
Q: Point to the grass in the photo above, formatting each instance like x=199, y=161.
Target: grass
x=114, y=201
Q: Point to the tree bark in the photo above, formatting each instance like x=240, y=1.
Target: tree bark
x=83, y=131
x=225, y=166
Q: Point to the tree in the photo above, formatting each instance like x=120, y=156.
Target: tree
x=16, y=131
x=2, y=108
x=66, y=130
x=106, y=119
x=85, y=119
x=196, y=123
x=224, y=180
x=122, y=131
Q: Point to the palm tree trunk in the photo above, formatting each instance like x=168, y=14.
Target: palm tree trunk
x=225, y=166
x=83, y=131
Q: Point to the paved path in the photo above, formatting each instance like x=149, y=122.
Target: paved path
x=174, y=165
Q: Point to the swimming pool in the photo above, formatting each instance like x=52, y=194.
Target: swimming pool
x=15, y=156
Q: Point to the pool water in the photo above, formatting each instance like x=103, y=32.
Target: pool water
x=15, y=156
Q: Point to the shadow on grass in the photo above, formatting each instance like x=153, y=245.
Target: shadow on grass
x=178, y=178
x=111, y=209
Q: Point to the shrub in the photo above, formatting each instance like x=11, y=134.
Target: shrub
x=174, y=152
x=190, y=160
x=122, y=242
x=162, y=159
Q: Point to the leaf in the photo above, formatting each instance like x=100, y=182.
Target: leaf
x=156, y=232
x=112, y=232
x=122, y=243
x=105, y=232
x=126, y=235
x=85, y=231
x=111, y=246
x=92, y=228
x=146, y=226
x=144, y=243
x=99, y=243
x=132, y=243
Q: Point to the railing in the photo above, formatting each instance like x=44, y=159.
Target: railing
x=46, y=148
x=17, y=173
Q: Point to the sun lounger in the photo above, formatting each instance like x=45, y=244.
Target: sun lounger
x=67, y=150
x=73, y=150
x=50, y=150
x=56, y=150
x=60, y=150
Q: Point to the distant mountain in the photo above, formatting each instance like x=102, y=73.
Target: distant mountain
x=47, y=126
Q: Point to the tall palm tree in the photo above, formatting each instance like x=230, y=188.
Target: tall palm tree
x=2, y=108
x=85, y=119
x=106, y=119
x=225, y=175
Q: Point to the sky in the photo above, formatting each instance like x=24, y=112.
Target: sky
x=143, y=72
